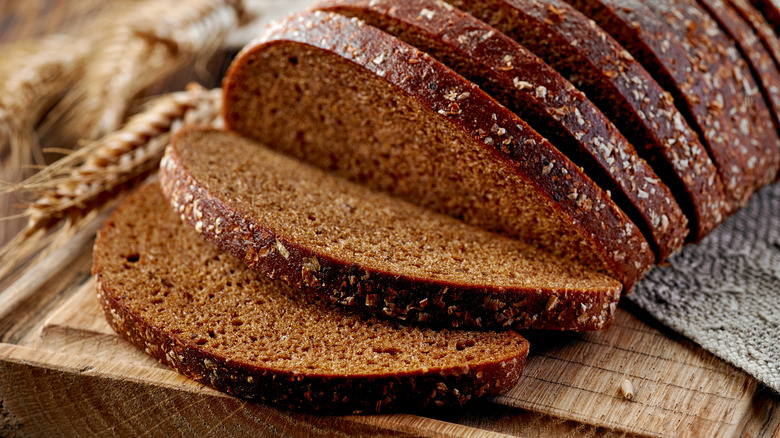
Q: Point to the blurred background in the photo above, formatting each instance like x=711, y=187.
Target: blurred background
x=74, y=72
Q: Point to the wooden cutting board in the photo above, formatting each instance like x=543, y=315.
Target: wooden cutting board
x=63, y=372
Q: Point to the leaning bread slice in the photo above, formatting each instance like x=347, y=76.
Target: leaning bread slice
x=771, y=10
x=540, y=96
x=700, y=81
x=352, y=99
x=624, y=91
x=756, y=142
x=202, y=312
x=761, y=26
x=748, y=41
x=337, y=239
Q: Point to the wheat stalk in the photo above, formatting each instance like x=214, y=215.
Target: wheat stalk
x=33, y=75
x=96, y=169
x=82, y=182
x=144, y=46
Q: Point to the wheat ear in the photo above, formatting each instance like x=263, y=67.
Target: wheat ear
x=146, y=45
x=82, y=182
x=33, y=75
x=74, y=183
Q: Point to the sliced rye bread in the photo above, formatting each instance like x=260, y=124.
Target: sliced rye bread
x=540, y=96
x=763, y=28
x=624, y=91
x=760, y=60
x=352, y=99
x=333, y=238
x=755, y=144
x=695, y=84
x=203, y=313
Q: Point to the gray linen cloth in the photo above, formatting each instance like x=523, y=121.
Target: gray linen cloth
x=724, y=293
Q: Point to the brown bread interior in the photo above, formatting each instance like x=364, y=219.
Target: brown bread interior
x=478, y=63
x=202, y=311
x=163, y=270
x=689, y=173
x=340, y=220
x=319, y=108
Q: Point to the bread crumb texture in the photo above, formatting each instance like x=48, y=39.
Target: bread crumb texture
x=411, y=127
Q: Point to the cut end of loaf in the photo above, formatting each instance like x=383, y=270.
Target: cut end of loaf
x=205, y=314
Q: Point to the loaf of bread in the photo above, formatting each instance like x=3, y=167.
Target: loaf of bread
x=396, y=173
x=360, y=103
x=717, y=57
x=770, y=10
x=339, y=240
x=760, y=25
x=696, y=69
x=203, y=313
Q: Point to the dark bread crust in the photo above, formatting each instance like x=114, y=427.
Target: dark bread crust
x=623, y=90
x=434, y=387
x=540, y=96
x=771, y=10
x=317, y=272
x=561, y=185
x=753, y=50
x=753, y=145
x=649, y=39
x=763, y=29
x=761, y=26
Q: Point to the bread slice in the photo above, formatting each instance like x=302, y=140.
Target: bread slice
x=354, y=100
x=700, y=81
x=203, y=313
x=760, y=60
x=763, y=29
x=339, y=240
x=541, y=97
x=761, y=26
x=624, y=91
x=755, y=144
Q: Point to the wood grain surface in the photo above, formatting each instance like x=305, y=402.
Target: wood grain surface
x=63, y=372
x=63, y=369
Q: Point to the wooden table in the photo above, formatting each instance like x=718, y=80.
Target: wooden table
x=64, y=372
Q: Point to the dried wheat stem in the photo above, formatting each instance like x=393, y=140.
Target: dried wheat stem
x=148, y=43
x=201, y=25
x=33, y=75
x=82, y=180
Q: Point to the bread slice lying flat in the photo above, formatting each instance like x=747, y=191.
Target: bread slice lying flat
x=340, y=240
x=623, y=90
x=202, y=312
x=354, y=100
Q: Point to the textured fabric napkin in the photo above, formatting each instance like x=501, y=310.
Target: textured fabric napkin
x=724, y=293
